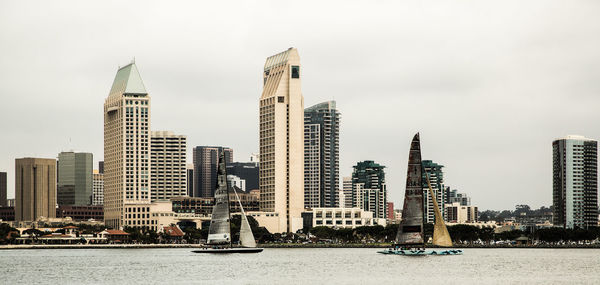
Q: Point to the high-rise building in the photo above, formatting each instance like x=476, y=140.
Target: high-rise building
x=98, y=189
x=126, y=150
x=206, y=159
x=101, y=167
x=347, y=190
x=3, y=190
x=368, y=188
x=281, y=140
x=321, y=155
x=575, y=182
x=190, y=180
x=35, y=188
x=436, y=178
x=452, y=196
x=168, y=174
x=75, y=180
x=247, y=171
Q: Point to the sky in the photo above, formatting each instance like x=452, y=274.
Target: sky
x=488, y=84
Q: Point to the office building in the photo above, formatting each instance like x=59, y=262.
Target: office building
x=575, y=182
x=321, y=155
x=98, y=189
x=235, y=181
x=126, y=149
x=368, y=188
x=460, y=214
x=101, y=167
x=35, y=188
x=190, y=179
x=248, y=171
x=436, y=178
x=3, y=190
x=75, y=182
x=347, y=192
x=452, y=196
x=81, y=213
x=168, y=173
x=205, y=168
x=281, y=140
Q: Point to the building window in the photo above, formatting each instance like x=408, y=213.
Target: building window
x=295, y=71
x=280, y=99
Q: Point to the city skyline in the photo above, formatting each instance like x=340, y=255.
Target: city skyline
x=483, y=101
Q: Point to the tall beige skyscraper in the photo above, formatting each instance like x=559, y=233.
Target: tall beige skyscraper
x=281, y=175
x=35, y=188
x=126, y=150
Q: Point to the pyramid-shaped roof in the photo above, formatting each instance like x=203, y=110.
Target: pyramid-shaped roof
x=128, y=80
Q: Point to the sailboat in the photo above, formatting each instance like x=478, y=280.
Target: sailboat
x=219, y=232
x=410, y=239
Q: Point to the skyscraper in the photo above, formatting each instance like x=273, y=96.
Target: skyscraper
x=575, y=182
x=126, y=150
x=206, y=159
x=167, y=165
x=321, y=155
x=35, y=188
x=281, y=140
x=98, y=189
x=101, y=167
x=436, y=178
x=3, y=191
x=75, y=181
x=247, y=171
x=368, y=188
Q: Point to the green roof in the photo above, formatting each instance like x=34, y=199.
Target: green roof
x=128, y=81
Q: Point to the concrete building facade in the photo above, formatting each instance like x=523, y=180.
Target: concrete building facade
x=575, y=182
x=168, y=173
x=281, y=140
x=347, y=192
x=206, y=159
x=35, y=188
x=75, y=181
x=98, y=189
x=126, y=149
x=340, y=218
x=461, y=214
x=321, y=155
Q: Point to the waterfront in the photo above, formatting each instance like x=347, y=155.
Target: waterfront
x=309, y=266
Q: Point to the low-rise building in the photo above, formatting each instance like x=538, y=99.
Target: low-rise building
x=341, y=218
x=81, y=213
x=460, y=214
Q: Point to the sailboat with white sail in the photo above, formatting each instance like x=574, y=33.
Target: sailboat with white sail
x=410, y=239
x=219, y=233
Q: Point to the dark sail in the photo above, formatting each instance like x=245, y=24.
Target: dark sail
x=410, y=231
x=219, y=231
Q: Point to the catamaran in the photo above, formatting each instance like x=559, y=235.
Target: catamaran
x=410, y=238
x=219, y=232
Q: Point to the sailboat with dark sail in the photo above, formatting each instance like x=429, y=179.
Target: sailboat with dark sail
x=410, y=239
x=219, y=233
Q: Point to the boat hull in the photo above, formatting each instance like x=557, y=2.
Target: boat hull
x=421, y=252
x=229, y=250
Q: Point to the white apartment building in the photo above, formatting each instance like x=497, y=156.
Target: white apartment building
x=342, y=217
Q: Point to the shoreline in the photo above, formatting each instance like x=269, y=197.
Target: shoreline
x=287, y=246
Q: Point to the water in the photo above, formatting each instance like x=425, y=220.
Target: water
x=300, y=266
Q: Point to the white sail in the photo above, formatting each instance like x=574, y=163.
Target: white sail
x=246, y=236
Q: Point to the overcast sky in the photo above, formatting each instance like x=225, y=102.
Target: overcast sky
x=489, y=84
